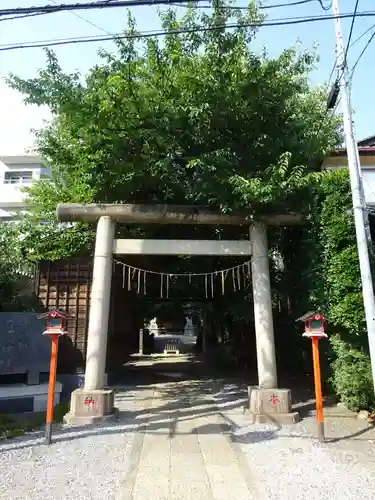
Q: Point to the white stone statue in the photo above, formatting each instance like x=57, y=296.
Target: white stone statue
x=153, y=327
x=189, y=327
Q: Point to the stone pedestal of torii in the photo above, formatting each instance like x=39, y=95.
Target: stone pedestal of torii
x=94, y=401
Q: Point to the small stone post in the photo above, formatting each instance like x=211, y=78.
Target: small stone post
x=140, y=349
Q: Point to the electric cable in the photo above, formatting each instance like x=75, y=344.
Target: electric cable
x=325, y=8
x=86, y=6
x=337, y=104
x=339, y=77
x=147, y=32
x=84, y=19
x=47, y=9
x=362, y=35
x=350, y=33
x=361, y=54
x=331, y=74
x=22, y=16
x=345, y=61
x=259, y=7
x=140, y=35
x=350, y=46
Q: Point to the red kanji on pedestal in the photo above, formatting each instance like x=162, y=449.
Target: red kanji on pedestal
x=274, y=400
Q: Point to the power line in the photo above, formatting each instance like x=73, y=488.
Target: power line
x=331, y=74
x=362, y=35
x=350, y=46
x=22, y=16
x=118, y=35
x=84, y=19
x=337, y=104
x=139, y=35
x=177, y=3
x=259, y=7
x=344, y=64
x=336, y=86
x=278, y=5
x=361, y=54
x=102, y=4
x=350, y=33
x=74, y=39
x=322, y=6
x=345, y=59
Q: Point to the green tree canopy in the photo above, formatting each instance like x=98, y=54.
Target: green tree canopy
x=194, y=117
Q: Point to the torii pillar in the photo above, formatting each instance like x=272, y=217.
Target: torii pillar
x=94, y=401
x=267, y=403
x=263, y=318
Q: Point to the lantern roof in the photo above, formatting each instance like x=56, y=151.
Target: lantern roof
x=55, y=313
x=310, y=315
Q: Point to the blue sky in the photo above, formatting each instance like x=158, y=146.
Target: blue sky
x=16, y=119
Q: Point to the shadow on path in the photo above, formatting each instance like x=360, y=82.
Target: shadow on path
x=154, y=395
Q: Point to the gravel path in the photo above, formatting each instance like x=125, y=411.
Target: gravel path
x=290, y=464
x=286, y=463
x=82, y=463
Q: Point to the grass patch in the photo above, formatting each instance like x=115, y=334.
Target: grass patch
x=11, y=427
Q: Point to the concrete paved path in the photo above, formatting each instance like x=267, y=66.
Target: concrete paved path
x=183, y=448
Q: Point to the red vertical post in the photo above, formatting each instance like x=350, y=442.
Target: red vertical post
x=318, y=389
x=51, y=387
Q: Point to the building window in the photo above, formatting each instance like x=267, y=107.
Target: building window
x=19, y=177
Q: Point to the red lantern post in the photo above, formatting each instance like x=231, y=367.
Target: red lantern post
x=56, y=326
x=314, y=329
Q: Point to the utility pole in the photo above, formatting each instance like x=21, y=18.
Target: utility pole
x=365, y=211
x=359, y=209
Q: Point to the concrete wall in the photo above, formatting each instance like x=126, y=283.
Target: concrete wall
x=23, y=348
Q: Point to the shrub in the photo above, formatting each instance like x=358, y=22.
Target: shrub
x=5, y=419
x=352, y=377
x=337, y=291
x=61, y=409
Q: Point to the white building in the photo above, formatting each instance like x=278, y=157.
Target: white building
x=16, y=173
x=366, y=151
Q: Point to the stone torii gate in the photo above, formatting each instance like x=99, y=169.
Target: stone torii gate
x=94, y=401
